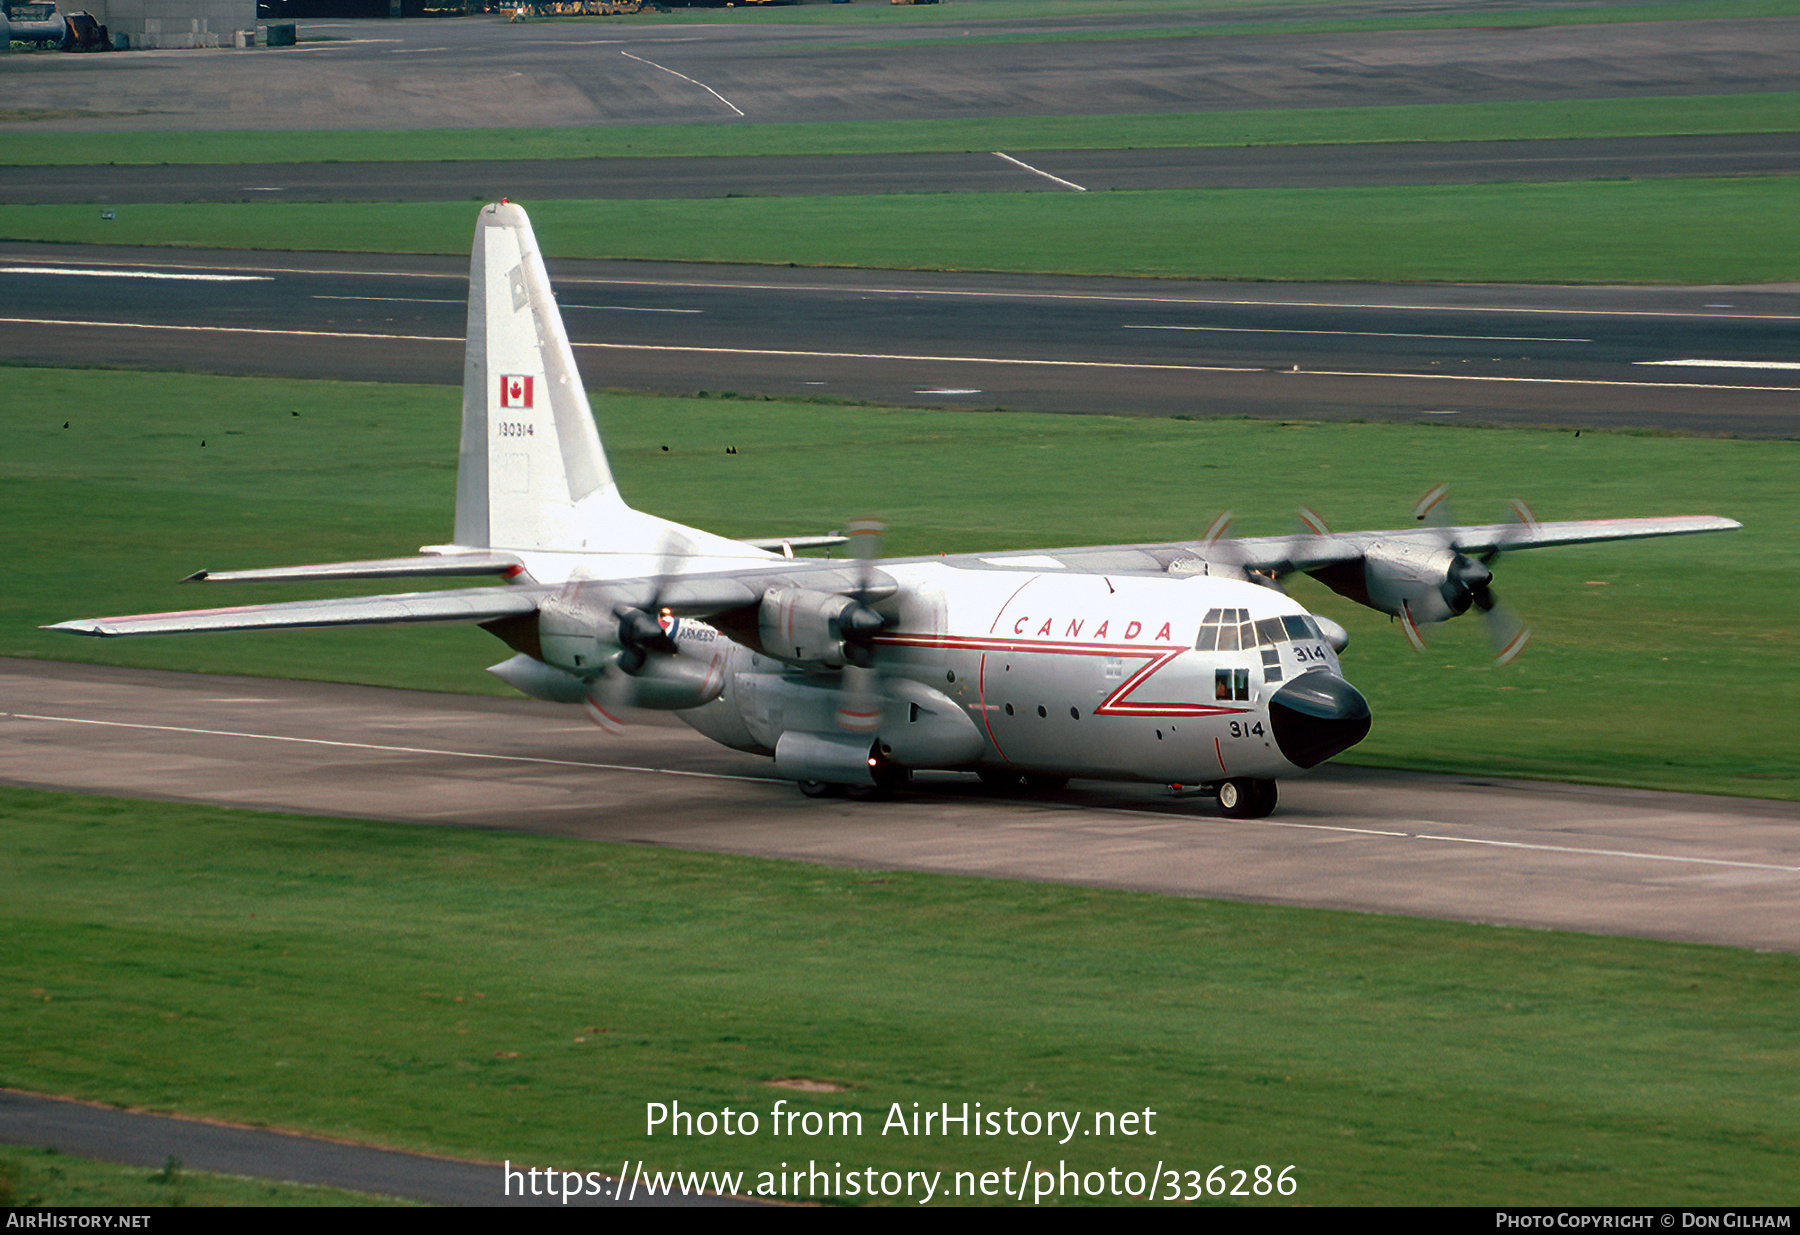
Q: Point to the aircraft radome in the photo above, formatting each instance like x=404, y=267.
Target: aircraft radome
x=1179, y=663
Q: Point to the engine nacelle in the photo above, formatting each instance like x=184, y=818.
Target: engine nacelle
x=540, y=681
x=676, y=683
x=576, y=636
x=804, y=627
x=831, y=758
x=1432, y=582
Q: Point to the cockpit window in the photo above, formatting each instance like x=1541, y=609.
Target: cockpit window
x=1231, y=630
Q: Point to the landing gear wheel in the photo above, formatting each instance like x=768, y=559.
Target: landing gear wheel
x=1244, y=798
x=819, y=788
x=998, y=778
x=889, y=777
x=1042, y=782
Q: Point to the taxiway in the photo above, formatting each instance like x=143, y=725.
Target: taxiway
x=1572, y=857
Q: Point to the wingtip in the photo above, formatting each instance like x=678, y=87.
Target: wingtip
x=80, y=626
x=196, y=577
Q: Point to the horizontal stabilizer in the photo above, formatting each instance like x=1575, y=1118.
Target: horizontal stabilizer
x=466, y=605
x=438, y=566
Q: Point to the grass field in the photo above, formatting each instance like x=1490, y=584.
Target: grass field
x=1210, y=18
x=1515, y=121
x=1649, y=231
x=1665, y=664
x=1485, y=18
x=502, y=996
x=43, y=1177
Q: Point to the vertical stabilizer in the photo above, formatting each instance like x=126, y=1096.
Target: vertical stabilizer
x=532, y=474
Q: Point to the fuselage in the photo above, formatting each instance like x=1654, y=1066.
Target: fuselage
x=1125, y=677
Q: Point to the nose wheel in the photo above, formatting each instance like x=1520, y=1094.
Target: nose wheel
x=1244, y=798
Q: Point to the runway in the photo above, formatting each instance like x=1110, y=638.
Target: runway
x=1571, y=857
x=1664, y=866
x=1568, y=356
x=479, y=72
x=140, y=1139
x=974, y=171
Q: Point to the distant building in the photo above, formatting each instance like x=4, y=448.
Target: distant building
x=168, y=23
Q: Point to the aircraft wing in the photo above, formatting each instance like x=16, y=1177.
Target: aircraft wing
x=426, y=566
x=465, y=605
x=1306, y=551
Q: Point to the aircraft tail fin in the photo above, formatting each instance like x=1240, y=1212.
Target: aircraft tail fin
x=531, y=474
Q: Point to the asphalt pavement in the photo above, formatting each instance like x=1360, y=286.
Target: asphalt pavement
x=974, y=171
x=1694, y=360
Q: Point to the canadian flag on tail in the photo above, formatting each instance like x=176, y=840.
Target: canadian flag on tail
x=515, y=391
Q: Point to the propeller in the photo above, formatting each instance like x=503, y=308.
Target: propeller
x=1217, y=547
x=1469, y=581
x=644, y=631
x=860, y=698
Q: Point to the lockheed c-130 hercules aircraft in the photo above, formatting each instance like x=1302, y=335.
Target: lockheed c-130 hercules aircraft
x=1180, y=663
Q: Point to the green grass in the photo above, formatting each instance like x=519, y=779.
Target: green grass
x=1209, y=18
x=1483, y=19
x=1649, y=231
x=1666, y=664
x=1514, y=121
x=509, y=997
x=43, y=1177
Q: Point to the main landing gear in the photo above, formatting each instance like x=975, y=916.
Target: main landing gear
x=1243, y=798
x=887, y=780
x=1007, y=780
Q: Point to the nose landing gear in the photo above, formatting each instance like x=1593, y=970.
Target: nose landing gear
x=1244, y=798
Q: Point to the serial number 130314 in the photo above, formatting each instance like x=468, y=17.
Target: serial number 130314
x=513, y=428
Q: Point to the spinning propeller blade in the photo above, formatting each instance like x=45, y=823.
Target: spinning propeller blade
x=1472, y=580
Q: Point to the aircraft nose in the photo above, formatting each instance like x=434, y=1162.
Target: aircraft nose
x=1316, y=716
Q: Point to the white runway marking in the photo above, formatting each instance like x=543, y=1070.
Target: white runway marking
x=684, y=77
x=1727, y=364
x=1104, y=298
x=902, y=356
x=762, y=780
x=608, y=308
x=396, y=299
x=1085, y=297
x=397, y=750
x=1542, y=381
x=256, y=330
x=1006, y=360
x=627, y=308
x=1613, y=853
x=647, y=347
x=137, y=274
x=1036, y=171
x=1373, y=334
x=340, y=43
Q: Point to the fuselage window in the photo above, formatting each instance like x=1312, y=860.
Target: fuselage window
x=1231, y=685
